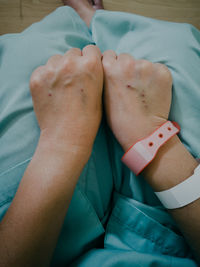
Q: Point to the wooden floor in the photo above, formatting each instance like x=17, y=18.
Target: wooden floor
x=16, y=15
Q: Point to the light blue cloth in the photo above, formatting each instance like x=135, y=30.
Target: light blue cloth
x=114, y=218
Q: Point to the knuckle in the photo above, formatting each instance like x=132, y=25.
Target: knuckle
x=35, y=79
x=49, y=73
x=108, y=67
x=145, y=64
x=164, y=73
x=93, y=48
x=129, y=63
x=34, y=83
x=53, y=59
x=108, y=52
x=90, y=46
x=75, y=49
x=145, y=68
x=91, y=61
x=68, y=63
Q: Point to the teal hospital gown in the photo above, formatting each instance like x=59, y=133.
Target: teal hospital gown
x=114, y=218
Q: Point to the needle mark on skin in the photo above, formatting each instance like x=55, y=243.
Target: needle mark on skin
x=142, y=94
x=83, y=95
x=130, y=87
x=143, y=100
x=49, y=94
x=145, y=104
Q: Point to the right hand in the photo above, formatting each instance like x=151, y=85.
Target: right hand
x=137, y=96
x=67, y=98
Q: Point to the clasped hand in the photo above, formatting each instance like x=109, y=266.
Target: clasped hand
x=67, y=97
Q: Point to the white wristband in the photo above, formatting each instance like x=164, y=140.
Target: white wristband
x=182, y=194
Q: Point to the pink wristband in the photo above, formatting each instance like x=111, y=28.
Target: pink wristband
x=143, y=152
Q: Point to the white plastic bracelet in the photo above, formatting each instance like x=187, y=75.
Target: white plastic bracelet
x=182, y=194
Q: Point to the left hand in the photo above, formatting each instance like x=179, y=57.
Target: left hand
x=137, y=96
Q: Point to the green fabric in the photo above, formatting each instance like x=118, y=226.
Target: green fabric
x=114, y=218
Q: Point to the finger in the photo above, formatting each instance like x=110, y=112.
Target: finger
x=163, y=72
x=38, y=71
x=125, y=57
x=109, y=57
x=91, y=51
x=144, y=70
x=143, y=64
x=54, y=60
x=73, y=52
x=35, y=80
x=161, y=66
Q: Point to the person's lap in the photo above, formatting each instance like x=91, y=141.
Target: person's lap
x=172, y=44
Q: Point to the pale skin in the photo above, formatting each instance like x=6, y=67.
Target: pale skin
x=137, y=101
x=67, y=92
x=67, y=98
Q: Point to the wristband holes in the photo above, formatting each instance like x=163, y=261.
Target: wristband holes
x=169, y=128
x=160, y=135
x=151, y=144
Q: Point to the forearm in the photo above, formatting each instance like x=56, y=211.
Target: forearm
x=31, y=226
x=172, y=165
x=137, y=97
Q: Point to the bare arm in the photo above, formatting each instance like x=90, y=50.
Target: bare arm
x=137, y=99
x=172, y=165
x=30, y=228
x=67, y=94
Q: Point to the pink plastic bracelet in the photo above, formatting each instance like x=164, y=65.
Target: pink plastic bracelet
x=143, y=152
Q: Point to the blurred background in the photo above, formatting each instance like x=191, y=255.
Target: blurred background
x=16, y=15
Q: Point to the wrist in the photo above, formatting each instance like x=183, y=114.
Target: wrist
x=136, y=134
x=59, y=159
x=165, y=160
x=171, y=165
x=64, y=148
